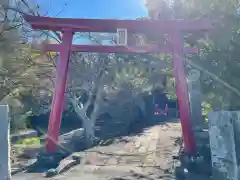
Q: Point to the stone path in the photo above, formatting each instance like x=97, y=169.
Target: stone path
x=144, y=156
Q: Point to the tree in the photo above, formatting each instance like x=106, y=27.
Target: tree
x=93, y=73
x=218, y=57
x=95, y=81
x=23, y=71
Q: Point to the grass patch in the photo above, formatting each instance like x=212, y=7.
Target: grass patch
x=29, y=142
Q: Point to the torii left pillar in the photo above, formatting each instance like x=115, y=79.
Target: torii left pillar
x=60, y=87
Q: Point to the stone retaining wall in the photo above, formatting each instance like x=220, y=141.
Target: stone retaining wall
x=224, y=135
x=5, y=166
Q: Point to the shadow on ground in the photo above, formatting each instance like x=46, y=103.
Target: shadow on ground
x=108, y=130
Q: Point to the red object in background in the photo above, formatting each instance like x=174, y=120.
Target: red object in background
x=173, y=27
x=158, y=111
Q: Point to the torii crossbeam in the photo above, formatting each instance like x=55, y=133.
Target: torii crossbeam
x=68, y=27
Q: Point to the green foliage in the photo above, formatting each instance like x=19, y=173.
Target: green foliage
x=22, y=73
x=220, y=51
x=219, y=56
x=206, y=108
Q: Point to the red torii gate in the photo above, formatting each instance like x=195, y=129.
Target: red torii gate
x=173, y=28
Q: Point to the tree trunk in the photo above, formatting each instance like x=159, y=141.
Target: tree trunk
x=95, y=99
x=88, y=122
x=81, y=112
x=89, y=132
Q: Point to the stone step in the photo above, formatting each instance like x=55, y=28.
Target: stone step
x=23, y=135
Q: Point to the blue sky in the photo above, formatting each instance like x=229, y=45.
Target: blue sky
x=104, y=9
x=98, y=9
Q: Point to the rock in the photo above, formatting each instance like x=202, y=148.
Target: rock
x=72, y=142
x=63, y=166
x=66, y=164
x=30, y=152
x=202, y=138
x=50, y=173
x=76, y=157
x=107, y=142
x=202, y=134
x=180, y=173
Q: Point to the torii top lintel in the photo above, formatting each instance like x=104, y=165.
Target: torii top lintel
x=110, y=25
